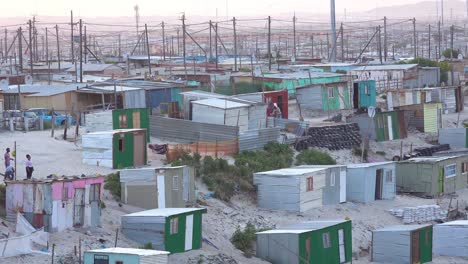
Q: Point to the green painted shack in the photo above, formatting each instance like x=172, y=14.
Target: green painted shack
x=315, y=242
x=432, y=175
x=364, y=94
x=171, y=229
x=384, y=126
x=116, y=149
x=132, y=118
x=324, y=97
x=290, y=81
x=402, y=244
x=125, y=256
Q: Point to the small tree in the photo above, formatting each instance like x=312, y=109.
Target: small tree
x=243, y=239
x=314, y=157
x=449, y=53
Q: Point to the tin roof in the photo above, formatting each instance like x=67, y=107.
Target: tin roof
x=455, y=223
x=368, y=165
x=95, y=67
x=430, y=160
x=297, y=171
x=54, y=179
x=44, y=90
x=115, y=131
x=385, y=67
x=401, y=228
x=302, y=75
x=129, y=251
x=221, y=103
x=203, y=93
x=303, y=227
x=166, y=212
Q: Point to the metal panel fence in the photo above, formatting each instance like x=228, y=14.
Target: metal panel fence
x=257, y=139
x=186, y=131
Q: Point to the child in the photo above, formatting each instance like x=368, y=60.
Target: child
x=29, y=167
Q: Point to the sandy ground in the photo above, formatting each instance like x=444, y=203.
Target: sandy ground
x=55, y=156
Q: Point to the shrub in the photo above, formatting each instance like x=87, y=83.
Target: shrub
x=243, y=239
x=357, y=151
x=314, y=157
x=148, y=245
x=112, y=184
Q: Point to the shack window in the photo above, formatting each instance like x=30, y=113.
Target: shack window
x=326, y=240
x=389, y=176
x=94, y=192
x=465, y=167
x=65, y=193
x=366, y=89
x=332, y=179
x=450, y=170
x=175, y=183
x=331, y=92
x=123, y=122
x=121, y=144
x=174, y=225
x=310, y=184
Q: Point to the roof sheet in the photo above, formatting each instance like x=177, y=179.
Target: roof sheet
x=94, y=67
x=220, y=103
x=385, y=67
x=455, y=223
x=115, y=131
x=297, y=171
x=368, y=165
x=304, y=227
x=44, y=90
x=402, y=228
x=130, y=251
x=165, y=212
x=302, y=74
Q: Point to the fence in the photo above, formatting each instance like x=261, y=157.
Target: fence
x=186, y=131
x=214, y=149
x=257, y=139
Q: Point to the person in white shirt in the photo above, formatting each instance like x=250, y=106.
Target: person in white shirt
x=29, y=167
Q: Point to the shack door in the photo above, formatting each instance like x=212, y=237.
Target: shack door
x=139, y=150
x=341, y=246
x=188, y=232
x=78, y=216
x=342, y=186
x=425, y=247
x=356, y=95
x=136, y=120
x=441, y=180
x=378, y=184
x=415, y=256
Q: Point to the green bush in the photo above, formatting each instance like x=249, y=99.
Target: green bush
x=243, y=239
x=357, y=151
x=148, y=245
x=112, y=183
x=448, y=53
x=314, y=157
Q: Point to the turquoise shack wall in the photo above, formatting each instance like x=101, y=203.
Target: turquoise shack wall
x=370, y=99
x=290, y=85
x=113, y=257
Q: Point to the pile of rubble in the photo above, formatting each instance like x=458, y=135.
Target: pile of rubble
x=424, y=213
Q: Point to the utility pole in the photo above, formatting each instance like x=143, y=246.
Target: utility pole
x=429, y=44
x=30, y=49
x=211, y=42
x=385, y=39
x=183, y=43
x=235, y=42
x=442, y=11
x=86, y=45
x=216, y=44
x=20, y=49
x=81, y=51
x=148, y=49
x=451, y=42
x=342, y=43
x=178, y=43
x=380, y=44
x=72, y=39
x=47, y=55
x=164, y=41
x=269, y=43
x=440, y=39
x=414, y=38
x=312, y=48
x=333, y=31
x=294, y=36
x=58, y=46
x=6, y=45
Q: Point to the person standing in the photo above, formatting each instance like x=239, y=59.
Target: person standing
x=277, y=111
x=29, y=167
x=7, y=158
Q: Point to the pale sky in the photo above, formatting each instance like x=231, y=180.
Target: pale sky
x=94, y=8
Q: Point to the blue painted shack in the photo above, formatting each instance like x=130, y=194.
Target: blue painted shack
x=125, y=256
x=364, y=94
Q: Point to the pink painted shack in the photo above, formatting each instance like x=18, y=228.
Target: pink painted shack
x=57, y=203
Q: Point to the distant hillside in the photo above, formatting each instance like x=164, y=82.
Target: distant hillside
x=422, y=10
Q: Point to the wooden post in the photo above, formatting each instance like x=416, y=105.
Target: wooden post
x=66, y=127
x=116, y=237
x=47, y=56
x=77, y=128
x=58, y=46
x=53, y=253
x=16, y=157
x=81, y=51
x=401, y=151
x=30, y=48
x=269, y=43
x=235, y=43
x=148, y=49
x=79, y=250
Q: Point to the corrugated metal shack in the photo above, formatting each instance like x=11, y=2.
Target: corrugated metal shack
x=315, y=242
x=115, y=149
x=385, y=125
x=364, y=94
x=134, y=118
x=56, y=204
x=451, y=239
x=325, y=97
x=302, y=188
x=125, y=255
x=402, y=244
x=98, y=121
x=432, y=175
x=457, y=138
x=163, y=187
x=189, y=97
x=423, y=117
x=369, y=182
x=269, y=98
x=172, y=229
x=232, y=112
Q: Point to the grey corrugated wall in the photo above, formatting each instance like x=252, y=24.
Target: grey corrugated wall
x=184, y=131
x=363, y=122
x=145, y=230
x=451, y=240
x=455, y=137
x=135, y=99
x=278, y=248
x=278, y=193
x=391, y=247
x=331, y=194
x=257, y=139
